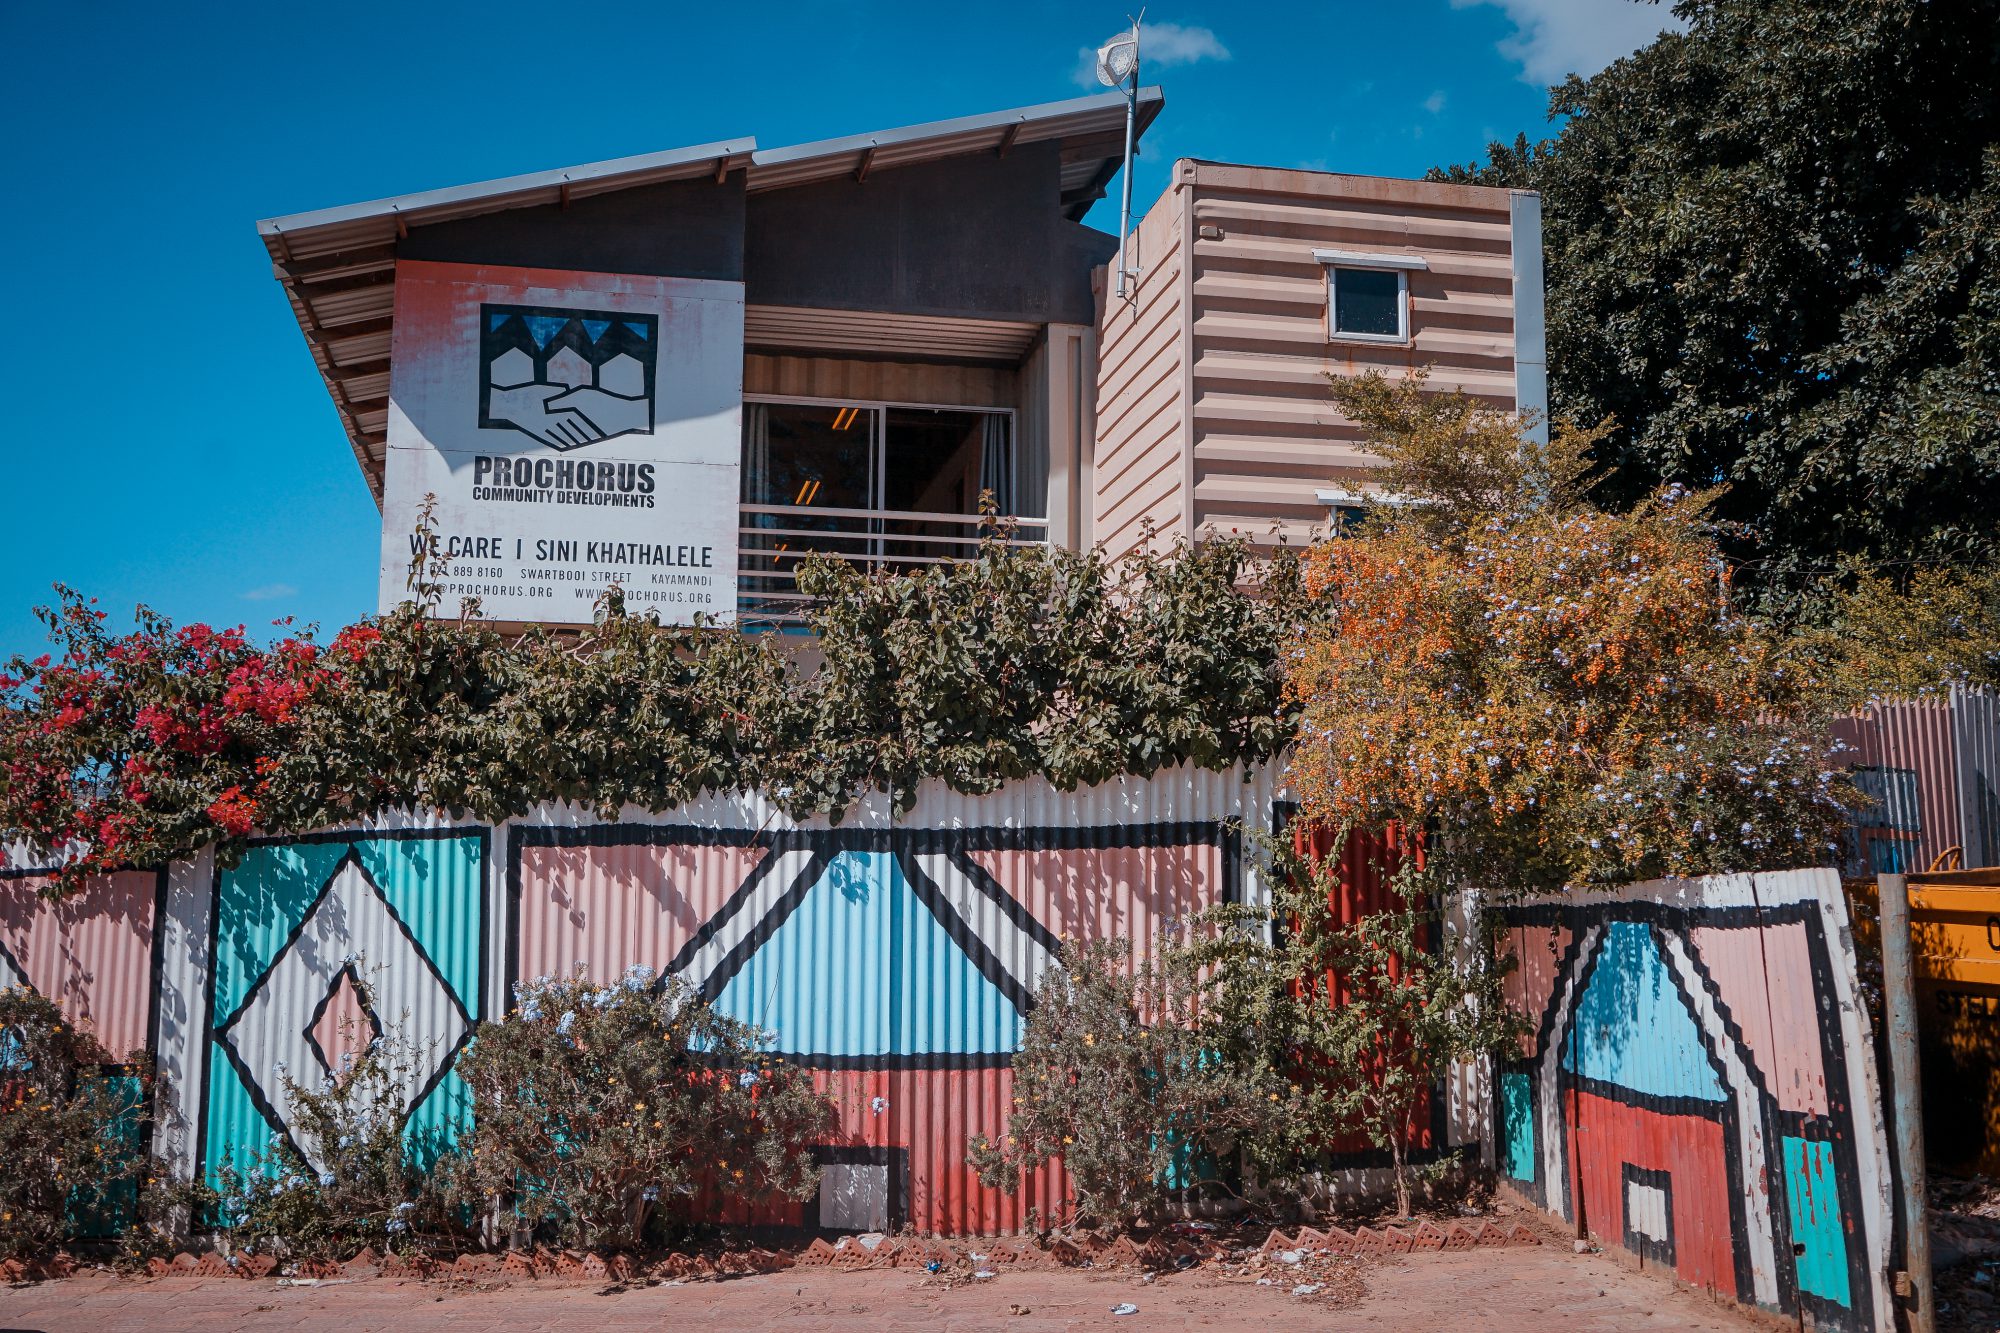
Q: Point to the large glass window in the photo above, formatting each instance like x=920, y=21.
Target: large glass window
x=863, y=481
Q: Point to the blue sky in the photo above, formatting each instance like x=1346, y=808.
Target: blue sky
x=167, y=439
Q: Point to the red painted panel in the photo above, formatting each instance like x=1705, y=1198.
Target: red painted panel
x=1604, y=1135
x=933, y=1116
x=1364, y=886
x=1914, y=735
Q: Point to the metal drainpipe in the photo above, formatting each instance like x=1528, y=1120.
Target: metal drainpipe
x=1899, y=1003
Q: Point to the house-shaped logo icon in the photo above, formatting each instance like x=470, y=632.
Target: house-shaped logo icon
x=568, y=378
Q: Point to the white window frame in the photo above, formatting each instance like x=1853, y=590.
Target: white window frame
x=1333, y=261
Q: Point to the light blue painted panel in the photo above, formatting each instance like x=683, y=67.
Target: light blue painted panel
x=863, y=969
x=1632, y=1029
x=1815, y=1210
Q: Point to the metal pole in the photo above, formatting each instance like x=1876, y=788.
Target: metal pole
x=1899, y=1002
x=1131, y=115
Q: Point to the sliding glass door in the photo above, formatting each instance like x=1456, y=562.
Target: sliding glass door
x=870, y=482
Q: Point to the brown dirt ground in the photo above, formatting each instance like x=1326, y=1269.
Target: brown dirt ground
x=1473, y=1291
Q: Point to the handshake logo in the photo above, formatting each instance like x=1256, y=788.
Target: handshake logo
x=566, y=377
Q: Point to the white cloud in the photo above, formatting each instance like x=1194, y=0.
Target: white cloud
x=270, y=592
x=1555, y=38
x=1161, y=46
x=1435, y=102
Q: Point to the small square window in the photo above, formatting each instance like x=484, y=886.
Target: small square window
x=1368, y=303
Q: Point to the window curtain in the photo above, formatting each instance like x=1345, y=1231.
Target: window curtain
x=996, y=463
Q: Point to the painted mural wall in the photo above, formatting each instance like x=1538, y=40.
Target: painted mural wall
x=1700, y=1089
x=895, y=957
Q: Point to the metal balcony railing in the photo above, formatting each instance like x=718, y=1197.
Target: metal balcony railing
x=774, y=540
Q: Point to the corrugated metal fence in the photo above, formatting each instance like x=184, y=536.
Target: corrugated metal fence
x=893, y=956
x=1929, y=772
x=1699, y=1087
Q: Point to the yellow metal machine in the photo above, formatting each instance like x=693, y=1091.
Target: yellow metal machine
x=1955, y=938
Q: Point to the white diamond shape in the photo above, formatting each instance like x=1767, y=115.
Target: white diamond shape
x=350, y=920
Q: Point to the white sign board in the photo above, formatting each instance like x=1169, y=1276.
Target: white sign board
x=578, y=430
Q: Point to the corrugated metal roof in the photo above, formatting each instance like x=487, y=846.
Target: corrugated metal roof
x=332, y=231
x=338, y=265
x=1092, y=128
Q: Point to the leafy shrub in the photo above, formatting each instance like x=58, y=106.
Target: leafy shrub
x=600, y=1112
x=368, y=1181
x=1124, y=1076
x=69, y=1132
x=142, y=747
x=1367, y=1015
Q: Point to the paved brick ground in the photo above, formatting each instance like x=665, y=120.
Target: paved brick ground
x=1479, y=1291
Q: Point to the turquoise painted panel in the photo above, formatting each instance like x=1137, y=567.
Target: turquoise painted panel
x=1816, y=1225
x=862, y=968
x=101, y=1215
x=1632, y=1029
x=259, y=904
x=435, y=886
x=1517, y=1125
x=237, y=1130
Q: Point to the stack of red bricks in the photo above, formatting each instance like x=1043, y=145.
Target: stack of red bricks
x=1175, y=1247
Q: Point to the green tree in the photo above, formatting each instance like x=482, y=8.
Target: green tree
x=1773, y=249
x=1916, y=634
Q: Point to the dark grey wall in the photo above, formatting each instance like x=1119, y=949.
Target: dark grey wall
x=978, y=236
x=681, y=229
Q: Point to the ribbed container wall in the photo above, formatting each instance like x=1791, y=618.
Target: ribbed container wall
x=1263, y=429
x=91, y=953
x=1138, y=478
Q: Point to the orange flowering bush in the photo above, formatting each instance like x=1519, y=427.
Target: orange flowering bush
x=1565, y=695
